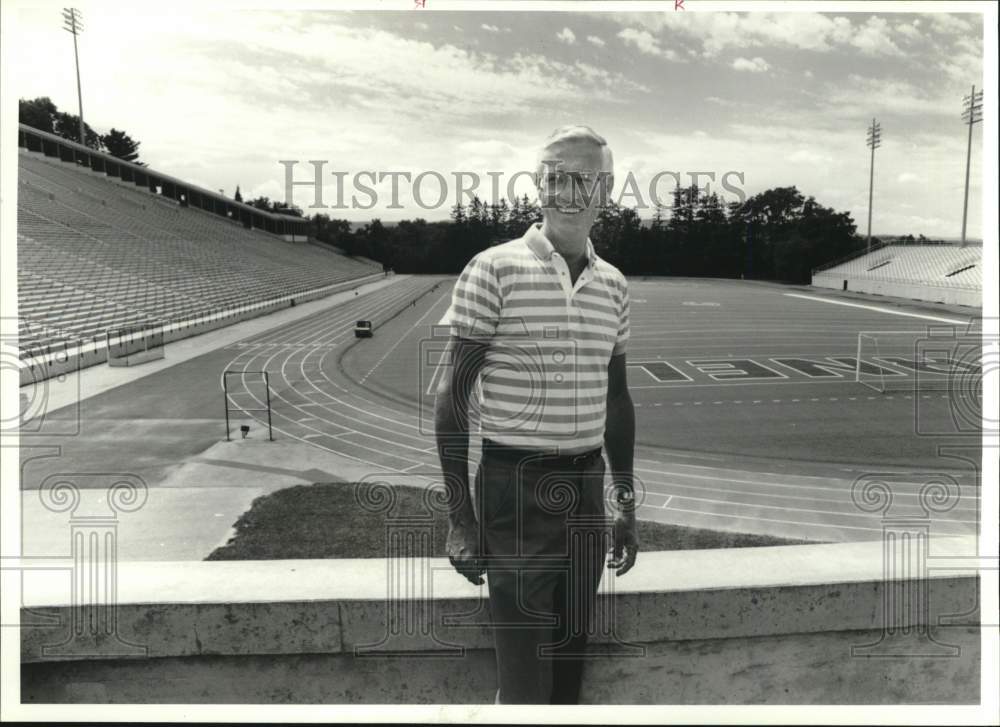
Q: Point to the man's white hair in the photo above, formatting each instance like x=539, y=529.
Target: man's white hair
x=574, y=133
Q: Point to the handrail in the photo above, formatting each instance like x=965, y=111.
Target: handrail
x=136, y=168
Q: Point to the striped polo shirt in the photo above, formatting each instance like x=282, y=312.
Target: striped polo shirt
x=545, y=379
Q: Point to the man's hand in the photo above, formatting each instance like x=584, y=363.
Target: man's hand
x=626, y=542
x=462, y=547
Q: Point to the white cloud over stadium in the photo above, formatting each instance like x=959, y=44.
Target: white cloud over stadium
x=219, y=97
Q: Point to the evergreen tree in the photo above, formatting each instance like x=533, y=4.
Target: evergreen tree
x=261, y=203
x=119, y=144
x=68, y=127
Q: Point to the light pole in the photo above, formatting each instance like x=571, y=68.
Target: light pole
x=972, y=113
x=874, y=141
x=72, y=24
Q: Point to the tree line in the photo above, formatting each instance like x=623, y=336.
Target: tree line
x=40, y=113
x=779, y=234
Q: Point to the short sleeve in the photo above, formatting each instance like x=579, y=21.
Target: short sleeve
x=475, y=302
x=623, y=322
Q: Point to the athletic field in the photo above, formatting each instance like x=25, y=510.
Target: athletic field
x=748, y=414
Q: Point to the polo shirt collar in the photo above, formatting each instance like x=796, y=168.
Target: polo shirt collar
x=543, y=248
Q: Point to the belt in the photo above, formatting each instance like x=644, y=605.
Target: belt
x=537, y=457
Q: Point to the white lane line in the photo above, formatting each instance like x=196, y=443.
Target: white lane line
x=318, y=432
x=755, y=382
x=784, y=496
x=790, y=481
x=773, y=520
x=878, y=309
x=401, y=339
x=856, y=515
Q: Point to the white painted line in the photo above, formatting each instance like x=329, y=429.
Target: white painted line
x=877, y=309
x=717, y=475
x=401, y=339
x=835, y=513
x=775, y=520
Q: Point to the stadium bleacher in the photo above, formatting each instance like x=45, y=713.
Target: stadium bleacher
x=96, y=253
x=939, y=273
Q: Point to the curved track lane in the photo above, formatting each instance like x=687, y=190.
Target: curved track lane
x=316, y=400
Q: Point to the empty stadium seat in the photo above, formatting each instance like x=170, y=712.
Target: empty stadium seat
x=96, y=253
x=937, y=265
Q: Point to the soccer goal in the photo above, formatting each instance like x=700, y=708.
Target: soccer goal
x=915, y=361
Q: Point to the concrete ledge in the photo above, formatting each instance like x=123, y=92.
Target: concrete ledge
x=140, y=357
x=682, y=627
x=972, y=298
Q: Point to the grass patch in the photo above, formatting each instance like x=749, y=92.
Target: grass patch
x=328, y=520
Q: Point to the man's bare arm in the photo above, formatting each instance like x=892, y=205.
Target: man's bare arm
x=619, y=430
x=619, y=441
x=451, y=426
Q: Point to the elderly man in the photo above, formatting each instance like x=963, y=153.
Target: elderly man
x=542, y=323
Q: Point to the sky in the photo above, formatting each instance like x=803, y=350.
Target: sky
x=219, y=97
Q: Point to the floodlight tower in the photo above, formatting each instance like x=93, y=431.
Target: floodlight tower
x=874, y=141
x=72, y=23
x=972, y=113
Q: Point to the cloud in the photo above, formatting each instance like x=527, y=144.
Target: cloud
x=949, y=24
x=857, y=96
x=609, y=80
x=719, y=31
x=646, y=43
x=808, y=156
x=910, y=31
x=596, y=40
x=754, y=65
x=872, y=39
x=964, y=60
x=566, y=36
x=818, y=32
x=490, y=28
x=262, y=86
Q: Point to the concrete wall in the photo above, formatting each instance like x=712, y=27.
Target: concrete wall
x=927, y=293
x=809, y=624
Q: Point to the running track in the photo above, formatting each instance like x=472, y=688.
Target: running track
x=372, y=404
